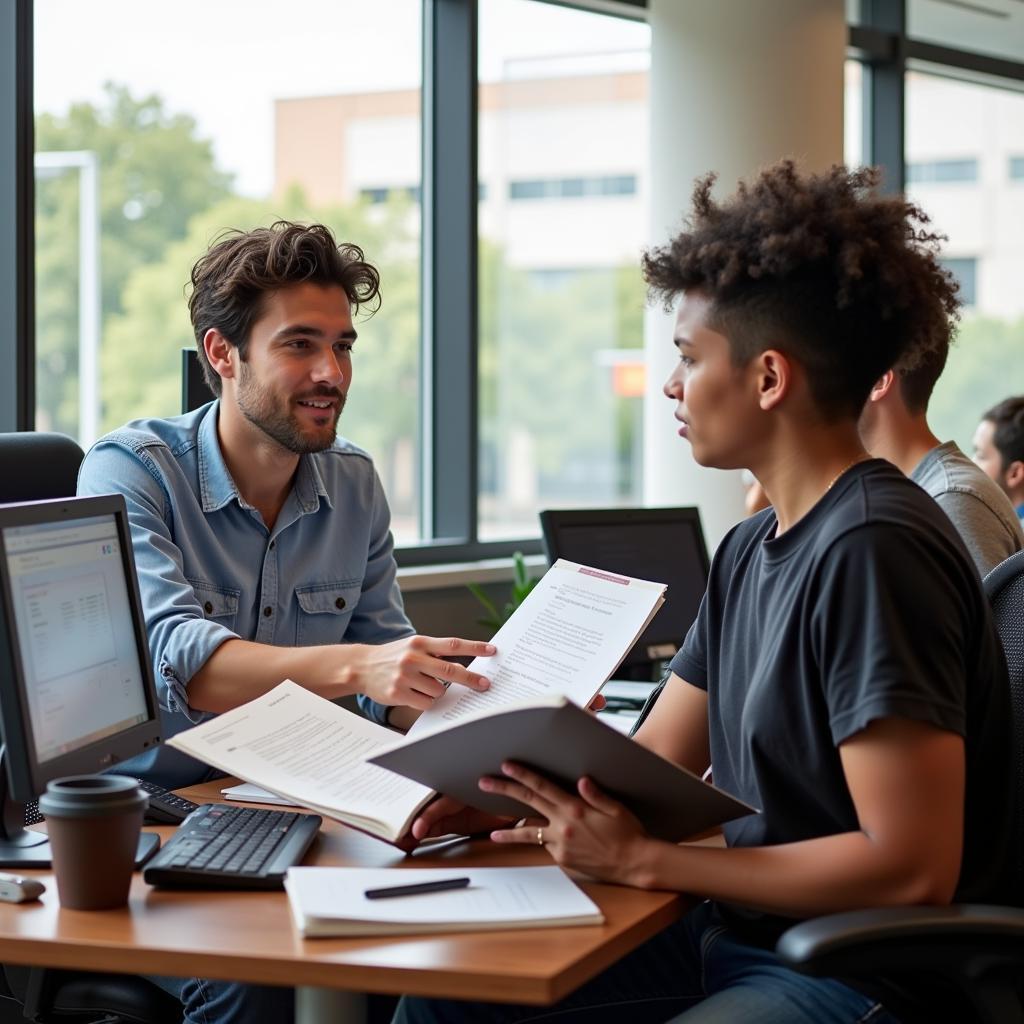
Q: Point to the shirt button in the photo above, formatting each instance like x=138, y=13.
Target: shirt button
x=272, y=543
x=340, y=603
x=208, y=608
x=268, y=611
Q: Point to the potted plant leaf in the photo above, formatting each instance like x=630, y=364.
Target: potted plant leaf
x=521, y=586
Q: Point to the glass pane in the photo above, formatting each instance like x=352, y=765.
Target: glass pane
x=563, y=218
x=853, y=114
x=143, y=157
x=991, y=27
x=962, y=143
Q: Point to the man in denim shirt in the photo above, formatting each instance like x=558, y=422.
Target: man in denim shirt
x=262, y=540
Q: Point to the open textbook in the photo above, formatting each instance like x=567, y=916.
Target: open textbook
x=313, y=753
x=331, y=901
x=565, y=640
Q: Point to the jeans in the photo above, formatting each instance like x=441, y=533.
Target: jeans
x=693, y=972
x=204, y=1001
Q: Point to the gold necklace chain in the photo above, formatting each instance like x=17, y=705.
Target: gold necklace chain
x=860, y=458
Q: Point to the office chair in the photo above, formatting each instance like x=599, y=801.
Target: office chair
x=978, y=948
x=34, y=466
x=194, y=389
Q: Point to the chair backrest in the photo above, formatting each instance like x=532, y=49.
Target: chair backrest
x=1004, y=587
x=194, y=389
x=35, y=465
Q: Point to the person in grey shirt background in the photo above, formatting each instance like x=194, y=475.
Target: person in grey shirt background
x=894, y=426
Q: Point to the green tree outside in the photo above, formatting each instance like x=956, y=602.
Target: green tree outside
x=542, y=374
x=986, y=365
x=155, y=174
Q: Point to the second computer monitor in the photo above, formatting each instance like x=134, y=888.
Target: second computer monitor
x=661, y=544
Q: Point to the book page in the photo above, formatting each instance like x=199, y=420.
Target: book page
x=565, y=639
x=330, y=900
x=311, y=751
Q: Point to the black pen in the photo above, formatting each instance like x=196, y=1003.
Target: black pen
x=411, y=890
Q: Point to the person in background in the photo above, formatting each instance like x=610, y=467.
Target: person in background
x=894, y=426
x=843, y=673
x=999, y=448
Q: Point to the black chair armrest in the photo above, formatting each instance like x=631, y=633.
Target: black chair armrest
x=967, y=939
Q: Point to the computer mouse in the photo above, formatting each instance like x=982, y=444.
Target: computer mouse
x=18, y=889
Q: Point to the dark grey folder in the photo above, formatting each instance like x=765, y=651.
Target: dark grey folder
x=563, y=742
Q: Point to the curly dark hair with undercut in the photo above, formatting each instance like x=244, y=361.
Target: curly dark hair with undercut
x=241, y=268
x=821, y=266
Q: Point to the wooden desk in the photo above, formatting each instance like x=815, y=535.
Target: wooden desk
x=247, y=936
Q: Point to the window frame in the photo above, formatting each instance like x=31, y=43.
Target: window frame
x=17, y=219
x=450, y=190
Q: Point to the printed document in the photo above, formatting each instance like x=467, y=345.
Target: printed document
x=565, y=639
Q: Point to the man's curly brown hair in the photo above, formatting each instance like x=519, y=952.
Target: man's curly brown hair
x=241, y=268
x=821, y=266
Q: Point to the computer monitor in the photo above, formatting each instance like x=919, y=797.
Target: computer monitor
x=76, y=687
x=661, y=544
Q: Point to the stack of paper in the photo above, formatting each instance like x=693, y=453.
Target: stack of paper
x=331, y=901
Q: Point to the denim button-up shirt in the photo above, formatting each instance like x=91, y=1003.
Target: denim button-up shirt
x=209, y=569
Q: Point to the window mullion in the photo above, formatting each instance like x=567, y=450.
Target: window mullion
x=884, y=95
x=17, y=335
x=449, y=270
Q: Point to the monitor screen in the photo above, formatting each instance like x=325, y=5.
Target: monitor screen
x=661, y=544
x=70, y=605
x=76, y=690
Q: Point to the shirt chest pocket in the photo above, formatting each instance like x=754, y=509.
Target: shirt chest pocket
x=219, y=604
x=324, y=612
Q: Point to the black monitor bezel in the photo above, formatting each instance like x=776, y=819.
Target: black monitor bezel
x=28, y=776
x=554, y=520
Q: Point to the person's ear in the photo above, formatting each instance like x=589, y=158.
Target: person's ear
x=774, y=378
x=1014, y=475
x=882, y=386
x=220, y=352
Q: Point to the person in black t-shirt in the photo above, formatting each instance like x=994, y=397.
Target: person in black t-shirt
x=843, y=674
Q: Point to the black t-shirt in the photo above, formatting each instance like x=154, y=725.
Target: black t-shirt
x=869, y=607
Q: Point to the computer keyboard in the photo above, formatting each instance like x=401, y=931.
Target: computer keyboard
x=221, y=847
x=164, y=807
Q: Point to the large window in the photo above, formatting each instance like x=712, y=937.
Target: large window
x=966, y=135
x=853, y=114
x=220, y=115
x=563, y=155
x=991, y=27
x=505, y=370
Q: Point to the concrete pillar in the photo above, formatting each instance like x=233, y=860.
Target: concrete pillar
x=735, y=85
